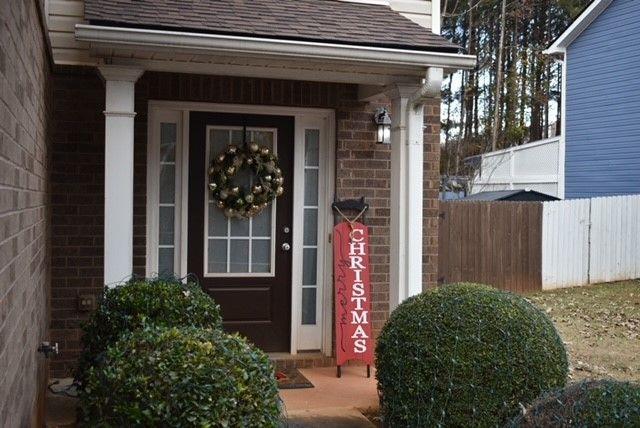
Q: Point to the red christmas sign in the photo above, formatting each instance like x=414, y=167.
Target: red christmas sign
x=352, y=293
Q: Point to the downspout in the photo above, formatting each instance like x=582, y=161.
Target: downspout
x=430, y=89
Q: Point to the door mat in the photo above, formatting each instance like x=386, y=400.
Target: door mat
x=292, y=379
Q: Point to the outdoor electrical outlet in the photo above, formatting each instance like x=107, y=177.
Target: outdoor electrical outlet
x=48, y=348
x=86, y=302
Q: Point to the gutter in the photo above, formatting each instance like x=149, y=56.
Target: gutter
x=557, y=53
x=234, y=45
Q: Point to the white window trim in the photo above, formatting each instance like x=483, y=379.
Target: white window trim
x=305, y=118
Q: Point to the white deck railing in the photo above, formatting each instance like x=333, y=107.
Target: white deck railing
x=533, y=166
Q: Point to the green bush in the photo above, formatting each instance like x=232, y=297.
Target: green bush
x=594, y=403
x=465, y=355
x=139, y=302
x=177, y=377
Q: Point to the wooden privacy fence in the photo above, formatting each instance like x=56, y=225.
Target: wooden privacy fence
x=528, y=246
x=495, y=243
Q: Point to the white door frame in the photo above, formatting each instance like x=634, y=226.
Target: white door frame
x=305, y=118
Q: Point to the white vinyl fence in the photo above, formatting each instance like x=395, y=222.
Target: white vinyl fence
x=585, y=241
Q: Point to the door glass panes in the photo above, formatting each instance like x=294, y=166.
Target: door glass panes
x=309, y=271
x=238, y=246
x=165, y=261
x=311, y=148
x=308, y=306
x=261, y=255
x=239, y=255
x=168, y=137
x=261, y=225
x=167, y=198
x=311, y=186
x=239, y=227
x=167, y=226
x=310, y=233
x=311, y=226
x=217, y=259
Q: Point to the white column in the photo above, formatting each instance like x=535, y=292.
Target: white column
x=118, y=172
x=415, y=198
x=406, y=195
x=435, y=17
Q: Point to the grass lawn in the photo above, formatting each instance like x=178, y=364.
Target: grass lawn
x=600, y=325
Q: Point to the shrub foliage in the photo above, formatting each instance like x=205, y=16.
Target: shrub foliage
x=142, y=302
x=178, y=377
x=465, y=355
x=594, y=403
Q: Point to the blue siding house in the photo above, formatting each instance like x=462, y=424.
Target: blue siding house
x=601, y=100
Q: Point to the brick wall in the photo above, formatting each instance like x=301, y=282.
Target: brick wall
x=77, y=198
x=431, y=191
x=78, y=190
x=24, y=253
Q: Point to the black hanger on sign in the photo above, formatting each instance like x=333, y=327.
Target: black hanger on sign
x=350, y=205
x=358, y=206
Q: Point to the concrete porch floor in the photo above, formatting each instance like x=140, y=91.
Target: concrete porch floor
x=334, y=402
x=352, y=390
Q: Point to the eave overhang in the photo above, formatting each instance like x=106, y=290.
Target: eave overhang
x=337, y=61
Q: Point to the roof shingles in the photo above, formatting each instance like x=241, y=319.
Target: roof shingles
x=313, y=20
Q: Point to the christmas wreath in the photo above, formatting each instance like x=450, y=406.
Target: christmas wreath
x=245, y=202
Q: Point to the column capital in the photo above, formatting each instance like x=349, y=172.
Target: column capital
x=402, y=90
x=120, y=74
x=119, y=85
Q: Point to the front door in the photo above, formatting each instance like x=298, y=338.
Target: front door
x=244, y=264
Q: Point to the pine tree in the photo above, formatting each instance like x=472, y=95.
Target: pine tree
x=506, y=100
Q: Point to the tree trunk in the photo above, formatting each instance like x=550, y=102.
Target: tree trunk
x=447, y=129
x=470, y=91
x=499, y=72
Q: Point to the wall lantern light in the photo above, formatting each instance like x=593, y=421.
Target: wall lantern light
x=383, y=121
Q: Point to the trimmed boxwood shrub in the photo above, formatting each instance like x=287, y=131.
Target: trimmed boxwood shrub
x=164, y=302
x=465, y=355
x=177, y=377
x=593, y=403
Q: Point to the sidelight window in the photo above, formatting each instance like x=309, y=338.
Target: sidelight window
x=310, y=235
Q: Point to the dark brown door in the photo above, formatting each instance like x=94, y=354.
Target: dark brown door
x=245, y=265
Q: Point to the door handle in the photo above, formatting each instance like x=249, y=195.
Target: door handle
x=286, y=246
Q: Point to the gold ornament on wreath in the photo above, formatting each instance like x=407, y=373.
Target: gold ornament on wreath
x=245, y=201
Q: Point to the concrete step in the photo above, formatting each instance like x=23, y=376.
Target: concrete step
x=334, y=417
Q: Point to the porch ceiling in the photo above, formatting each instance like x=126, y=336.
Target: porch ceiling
x=176, y=51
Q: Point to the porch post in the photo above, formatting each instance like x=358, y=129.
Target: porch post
x=406, y=195
x=407, y=171
x=118, y=172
